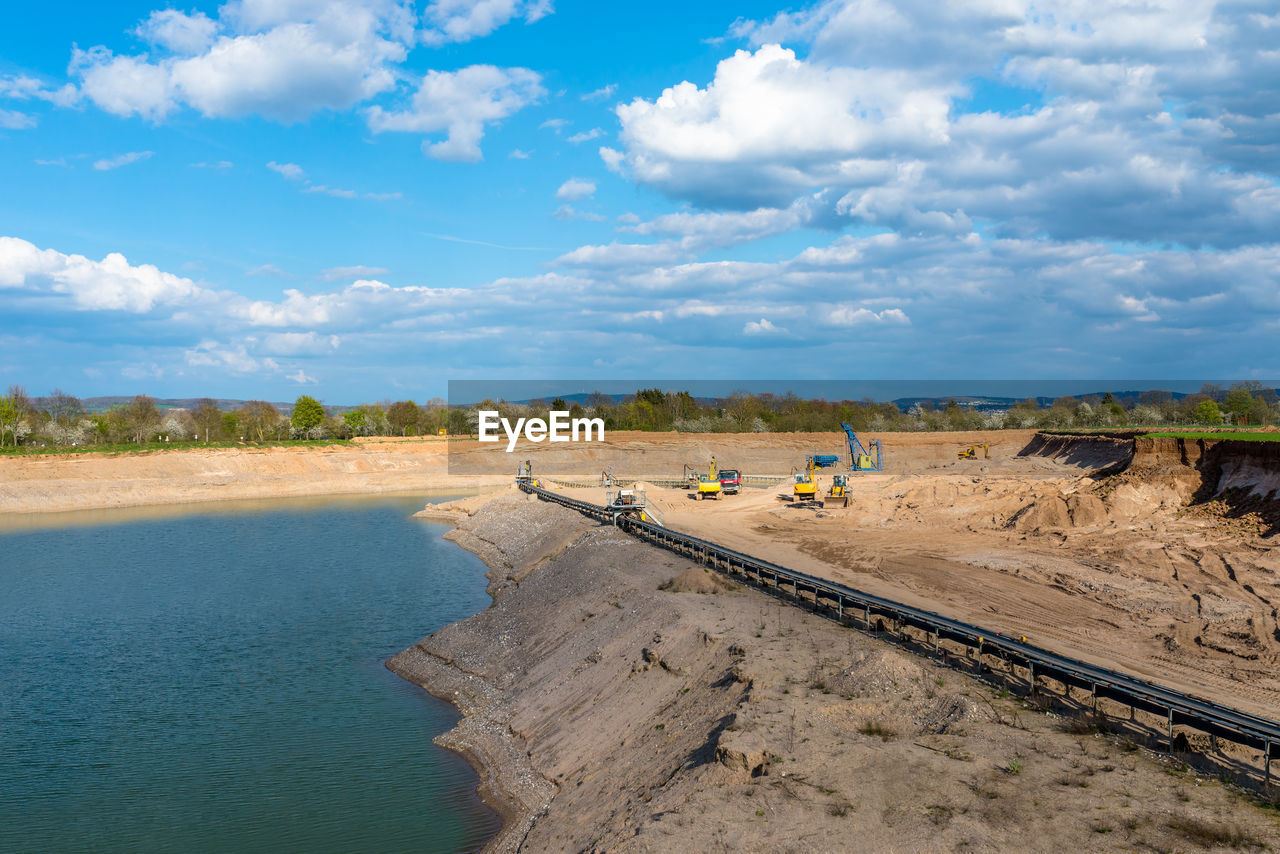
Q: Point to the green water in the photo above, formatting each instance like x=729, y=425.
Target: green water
x=212, y=680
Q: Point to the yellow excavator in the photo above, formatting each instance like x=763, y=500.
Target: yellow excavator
x=708, y=485
x=838, y=495
x=971, y=452
x=805, y=489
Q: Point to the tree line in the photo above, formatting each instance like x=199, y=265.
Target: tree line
x=60, y=420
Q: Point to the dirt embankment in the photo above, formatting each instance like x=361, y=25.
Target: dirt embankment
x=614, y=699
x=34, y=484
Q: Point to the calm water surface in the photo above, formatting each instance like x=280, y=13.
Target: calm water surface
x=212, y=679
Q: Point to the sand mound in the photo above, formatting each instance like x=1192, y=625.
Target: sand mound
x=877, y=672
x=699, y=580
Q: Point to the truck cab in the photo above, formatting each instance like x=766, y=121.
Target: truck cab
x=730, y=481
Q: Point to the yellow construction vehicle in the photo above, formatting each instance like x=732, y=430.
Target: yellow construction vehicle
x=806, y=484
x=708, y=485
x=838, y=495
x=971, y=452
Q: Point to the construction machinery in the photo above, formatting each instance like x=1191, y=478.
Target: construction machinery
x=805, y=488
x=838, y=495
x=971, y=452
x=730, y=481
x=708, y=485
x=633, y=503
x=524, y=474
x=867, y=457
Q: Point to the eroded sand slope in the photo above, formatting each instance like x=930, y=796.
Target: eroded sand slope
x=619, y=698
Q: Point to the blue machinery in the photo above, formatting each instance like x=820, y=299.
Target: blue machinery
x=874, y=613
x=861, y=457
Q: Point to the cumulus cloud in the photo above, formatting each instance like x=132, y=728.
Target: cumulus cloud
x=292, y=171
x=282, y=60
x=177, y=31
x=460, y=103
x=762, y=327
x=301, y=378
x=462, y=20
x=575, y=190
x=1135, y=122
x=112, y=284
x=874, y=301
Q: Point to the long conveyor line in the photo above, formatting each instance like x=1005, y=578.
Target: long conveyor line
x=846, y=603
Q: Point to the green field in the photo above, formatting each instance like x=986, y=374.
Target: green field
x=145, y=447
x=1219, y=435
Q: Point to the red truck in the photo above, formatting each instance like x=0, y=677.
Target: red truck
x=730, y=481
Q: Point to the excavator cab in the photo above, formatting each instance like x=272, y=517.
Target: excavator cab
x=971, y=452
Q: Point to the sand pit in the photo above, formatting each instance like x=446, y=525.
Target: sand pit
x=1082, y=545
x=608, y=714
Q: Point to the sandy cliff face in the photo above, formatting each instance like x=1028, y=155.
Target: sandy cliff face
x=82, y=481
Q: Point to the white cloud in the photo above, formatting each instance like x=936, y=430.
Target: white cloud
x=116, y=162
x=586, y=136
x=23, y=88
x=848, y=316
x=177, y=31
x=292, y=171
x=602, y=94
x=220, y=165
x=331, y=191
x=359, y=271
x=463, y=20
x=283, y=59
x=569, y=212
x=519, y=154
x=762, y=327
x=269, y=270
x=111, y=284
x=14, y=120
x=231, y=357
x=301, y=378
x=575, y=190
x=554, y=124
x=460, y=103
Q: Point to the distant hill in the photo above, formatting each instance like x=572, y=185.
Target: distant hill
x=102, y=404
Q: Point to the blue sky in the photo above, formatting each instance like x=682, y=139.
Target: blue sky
x=364, y=199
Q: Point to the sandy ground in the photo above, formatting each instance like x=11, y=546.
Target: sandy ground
x=53, y=483
x=1114, y=569
x=617, y=697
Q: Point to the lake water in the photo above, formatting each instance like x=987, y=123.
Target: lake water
x=210, y=678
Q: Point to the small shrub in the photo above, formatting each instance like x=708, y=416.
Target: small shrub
x=877, y=730
x=1208, y=834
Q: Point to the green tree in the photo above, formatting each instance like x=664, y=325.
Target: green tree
x=259, y=418
x=8, y=419
x=207, y=417
x=1237, y=403
x=403, y=416
x=1207, y=412
x=307, y=413
x=142, y=418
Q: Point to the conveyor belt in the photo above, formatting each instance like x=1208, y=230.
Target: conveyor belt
x=845, y=603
